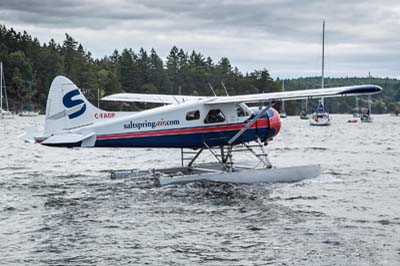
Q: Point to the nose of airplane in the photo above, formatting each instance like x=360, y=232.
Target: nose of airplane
x=275, y=121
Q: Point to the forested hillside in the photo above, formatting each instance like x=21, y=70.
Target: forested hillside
x=31, y=65
x=388, y=101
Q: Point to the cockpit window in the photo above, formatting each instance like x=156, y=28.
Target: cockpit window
x=193, y=115
x=241, y=111
x=214, y=116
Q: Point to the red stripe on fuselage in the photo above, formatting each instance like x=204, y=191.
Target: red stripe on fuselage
x=260, y=123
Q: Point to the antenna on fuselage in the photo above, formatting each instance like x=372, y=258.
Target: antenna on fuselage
x=226, y=91
x=212, y=89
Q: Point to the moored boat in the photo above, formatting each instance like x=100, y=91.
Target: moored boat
x=4, y=114
x=320, y=117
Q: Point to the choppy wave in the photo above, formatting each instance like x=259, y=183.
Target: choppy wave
x=60, y=206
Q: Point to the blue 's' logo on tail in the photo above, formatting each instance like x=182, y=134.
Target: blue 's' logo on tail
x=69, y=103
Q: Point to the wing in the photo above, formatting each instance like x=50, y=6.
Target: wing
x=298, y=95
x=151, y=98
x=248, y=98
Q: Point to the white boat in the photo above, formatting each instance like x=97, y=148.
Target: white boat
x=28, y=114
x=321, y=117
x=304, y=115
x=282, y=113
x=4, y=114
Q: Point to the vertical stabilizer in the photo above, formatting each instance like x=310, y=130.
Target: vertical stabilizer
x=67, y=108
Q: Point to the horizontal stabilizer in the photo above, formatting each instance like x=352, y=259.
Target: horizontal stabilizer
x=68, y=138
x=29, y=135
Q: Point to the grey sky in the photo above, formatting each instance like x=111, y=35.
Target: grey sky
x=283, y=36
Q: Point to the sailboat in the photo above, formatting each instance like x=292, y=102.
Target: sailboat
x=282, y=114
x=304, y=113
x=366, y=115
x=3, y=113
x=29, y=112
x=321, y=117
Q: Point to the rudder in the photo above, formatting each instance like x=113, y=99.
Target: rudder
x=66, y=107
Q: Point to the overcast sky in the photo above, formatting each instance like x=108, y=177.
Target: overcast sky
x=283, y=36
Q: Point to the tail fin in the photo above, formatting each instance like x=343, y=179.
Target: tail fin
x=67, y=108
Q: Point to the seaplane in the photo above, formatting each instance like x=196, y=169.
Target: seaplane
x=219, y=125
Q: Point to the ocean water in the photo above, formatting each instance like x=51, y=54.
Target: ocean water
x=60, y=207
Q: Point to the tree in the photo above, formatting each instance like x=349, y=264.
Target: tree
x=143, y=62
x=173, y=67
x=19, y=89
x=128, y=72
x=69, y=51
x=19, y=60
x=157, y=73
x=224, y=66
x=263, y=81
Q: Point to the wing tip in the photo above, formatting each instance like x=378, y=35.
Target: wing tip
x=363, y=89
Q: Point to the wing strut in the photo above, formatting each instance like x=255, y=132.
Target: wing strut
x=250, y=123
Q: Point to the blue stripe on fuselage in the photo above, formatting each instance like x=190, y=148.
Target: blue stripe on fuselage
x=191, y=140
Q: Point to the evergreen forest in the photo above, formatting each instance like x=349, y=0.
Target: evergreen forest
x=30, y=66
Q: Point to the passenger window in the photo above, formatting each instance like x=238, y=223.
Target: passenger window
x=214, y=116
x=193, y=115
x=241, y=111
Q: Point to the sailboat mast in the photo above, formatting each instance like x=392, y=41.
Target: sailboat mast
x=323, y=59
x=323, y=53
x=307, y=105
x=4, y=88
x=369, y=104
x=357, y=109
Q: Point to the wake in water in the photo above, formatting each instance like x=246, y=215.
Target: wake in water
x=60, y=207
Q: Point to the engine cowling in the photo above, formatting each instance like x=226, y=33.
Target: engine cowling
x=269, y=124
x=275, y=122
